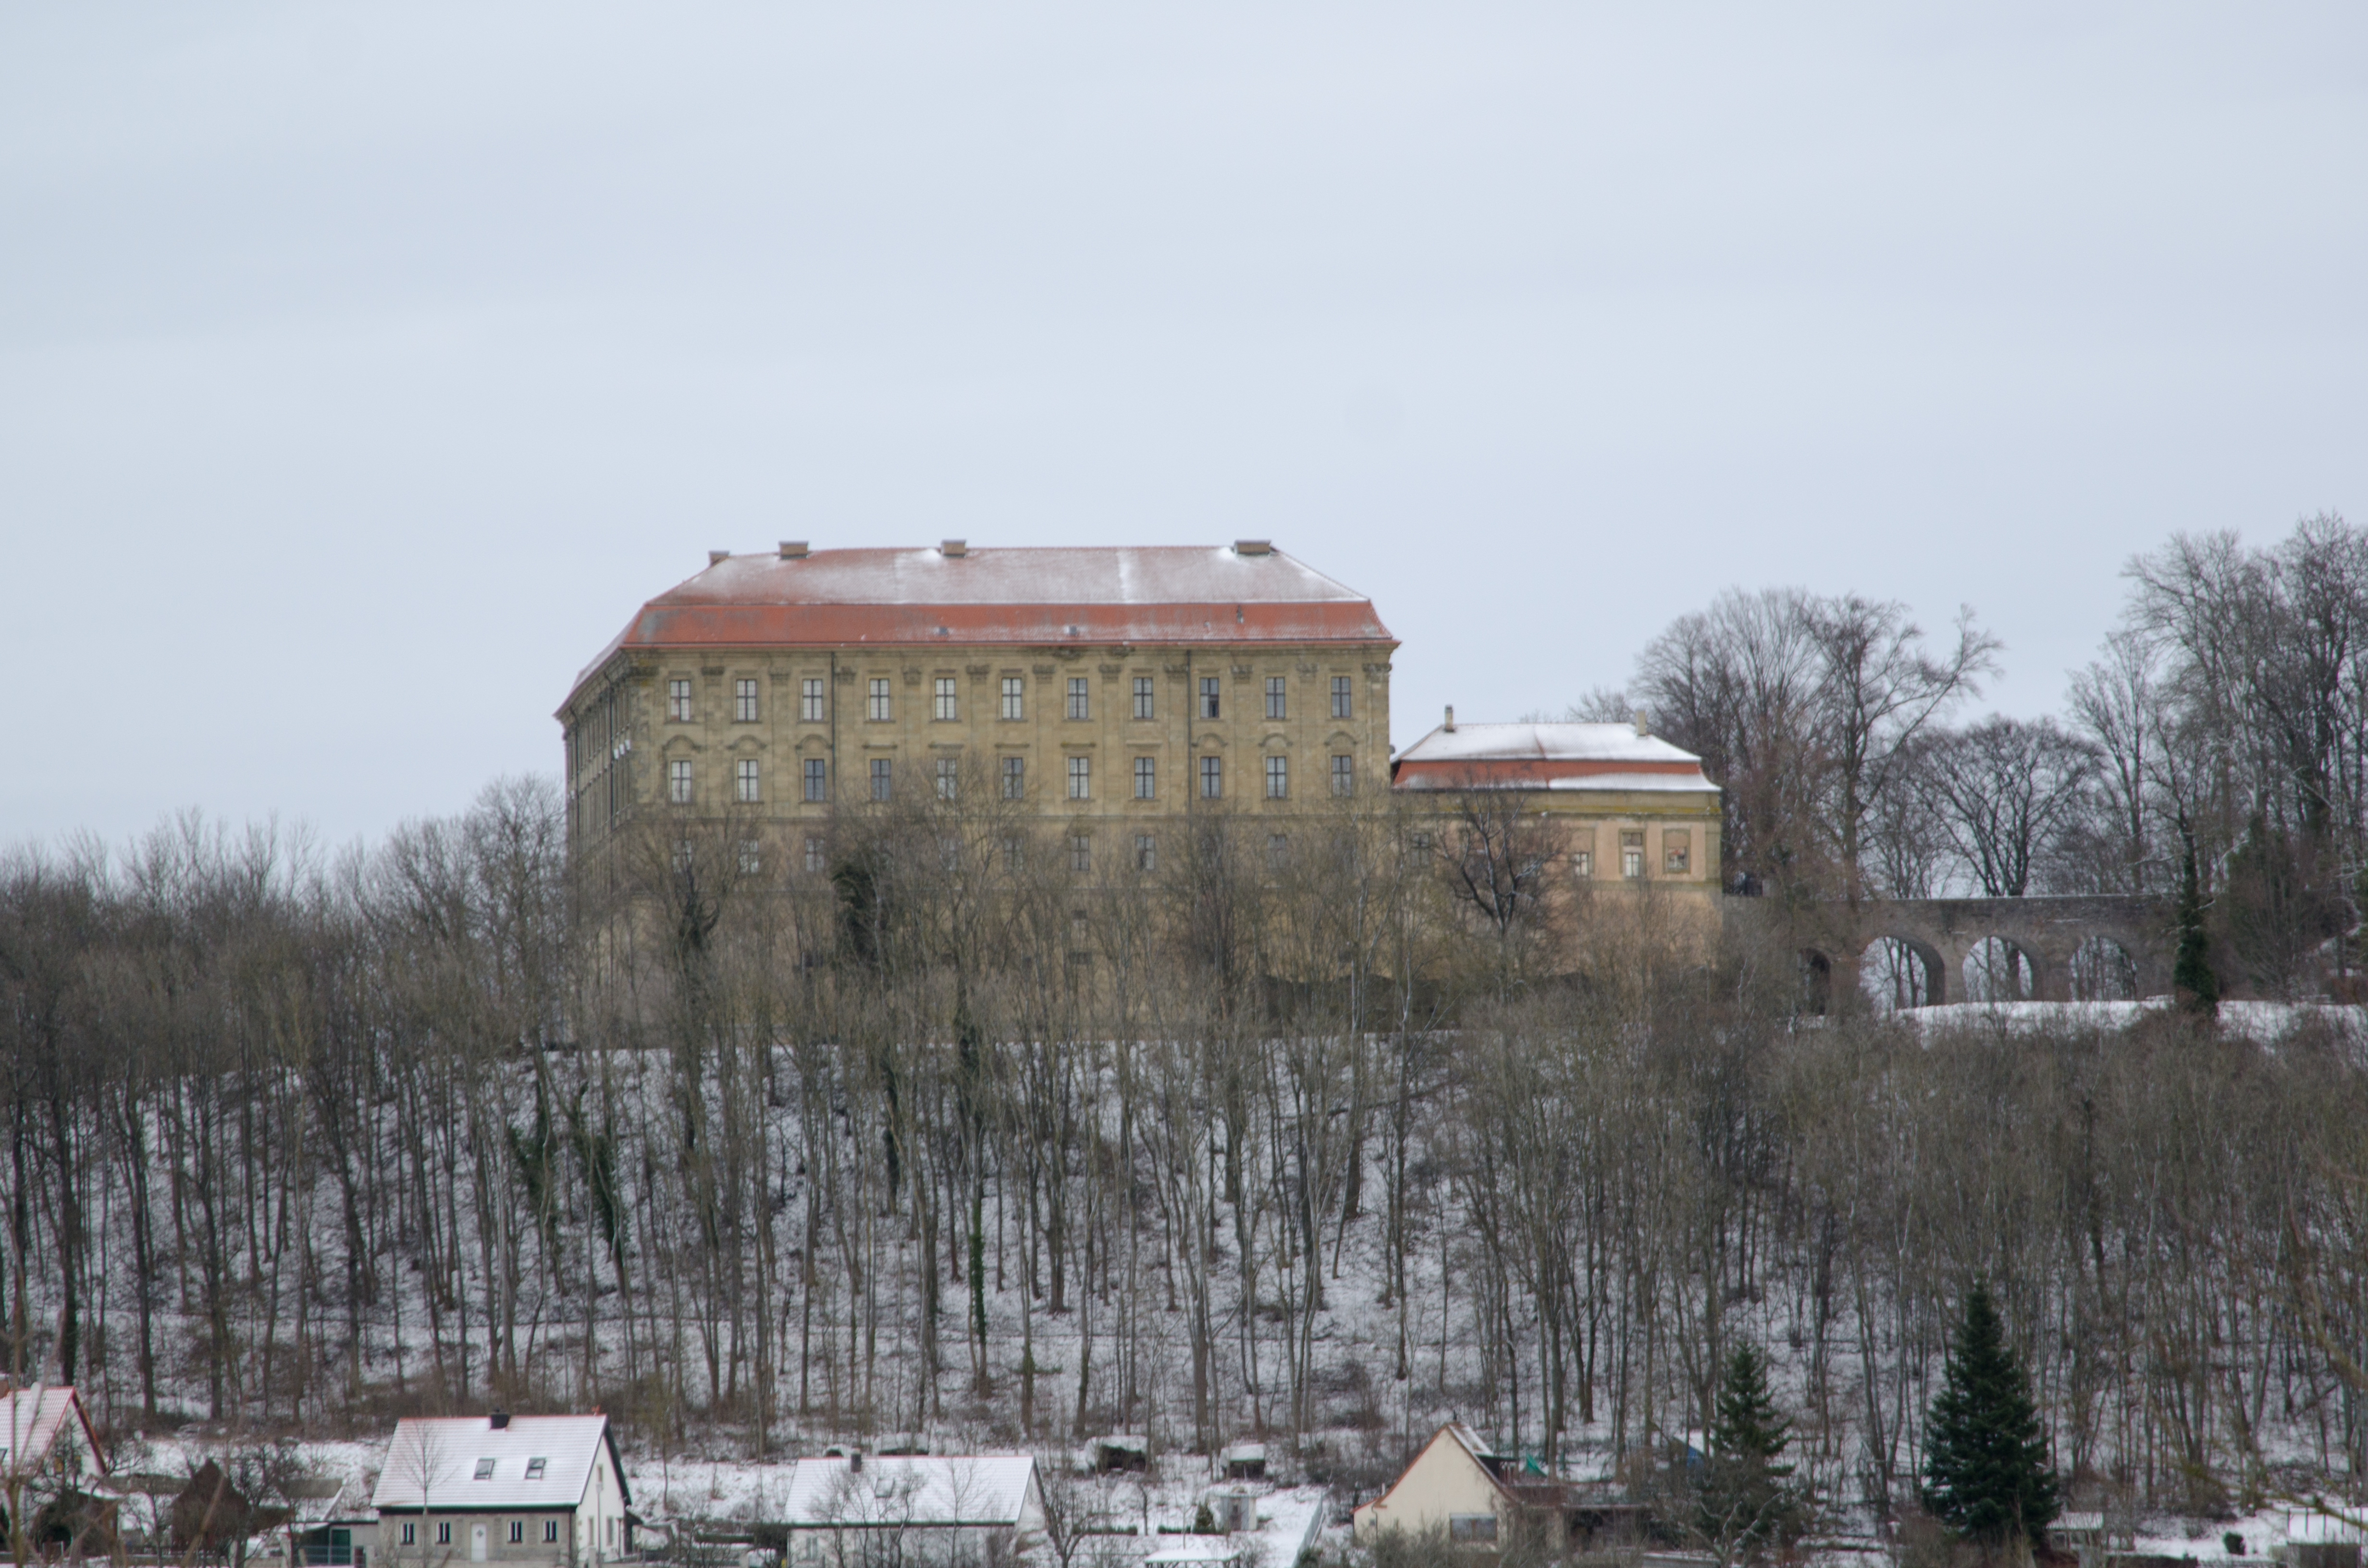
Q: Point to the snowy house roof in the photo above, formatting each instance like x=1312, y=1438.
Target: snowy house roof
x=467, y=1462
x=877, y=1491
x=952, y=596
x=1546, y=756
x=31, y=1422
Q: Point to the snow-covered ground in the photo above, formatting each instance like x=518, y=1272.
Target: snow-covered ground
x=2263, y=1023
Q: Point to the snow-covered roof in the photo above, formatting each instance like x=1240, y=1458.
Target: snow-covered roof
x=31, y=1421
x=916, y=1490
x=1544, y=743
x=1120, y=594
x=1547, y=756
x=2308, y=1528
x=466, y=1462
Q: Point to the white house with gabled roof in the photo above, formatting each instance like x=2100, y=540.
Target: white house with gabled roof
x=860, y=1510
x=516, y=1489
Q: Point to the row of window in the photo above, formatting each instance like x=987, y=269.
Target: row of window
x=747, y=778
x=945, y=701
x=751, y=856
x=444, y=1532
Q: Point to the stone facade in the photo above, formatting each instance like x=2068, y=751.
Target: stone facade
x=1112, y=711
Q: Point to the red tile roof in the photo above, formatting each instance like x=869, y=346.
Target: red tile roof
x=1126, y=594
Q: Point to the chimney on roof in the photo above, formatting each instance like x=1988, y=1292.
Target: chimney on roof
x=1253, y=547
x=1644, y=724
x=716, y=557
x=794, y=550
x=1451, y=718
x=499, y=1420
x=954, y=546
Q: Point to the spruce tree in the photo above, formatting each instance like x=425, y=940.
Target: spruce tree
x=2191, y=977
x=1986, y=1473
x=1746, y=1503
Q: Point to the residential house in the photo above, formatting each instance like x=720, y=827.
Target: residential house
x=498, y=1488
x=48, y=1453
x=858, y=1510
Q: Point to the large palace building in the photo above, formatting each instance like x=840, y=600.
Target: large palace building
x=1106, y=686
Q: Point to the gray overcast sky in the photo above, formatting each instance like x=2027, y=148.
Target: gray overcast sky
x=361, y=370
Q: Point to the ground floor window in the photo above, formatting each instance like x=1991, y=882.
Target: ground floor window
x=1471, y=1528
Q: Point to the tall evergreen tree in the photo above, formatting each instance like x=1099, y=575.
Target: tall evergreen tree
x=1746, y=1503
x=1985, y=1471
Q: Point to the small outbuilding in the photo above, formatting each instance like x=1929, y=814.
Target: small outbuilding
x=1243, y=1461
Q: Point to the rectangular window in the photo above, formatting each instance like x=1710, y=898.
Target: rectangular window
x=1081, y=779
x=810, y=699
x=1274, y=696
x=410, y=1533
x=1208, y=697
x=1677, y=851
x=1146, y=779
x=443, y=1532
x=813, y=852
x=1340, y=696
x=1632, y=854
x=944, y=710
x=1081, y=853
x=1466, y=1529
x=879, y=699
x=550, y=1531
x=948, y=771
x=1143, y=696
x=1212, y=777
x=1344, y=774
x=817, y=777
x=743, y=700
x=535, y=1467
x=678, y=700
x=752, y=858
x=1582, y=864
x=1079, y=707
x=682, y=867
x=1015, y=777
x=1015, y=852
x=882, y=770
x=1278, y=778
x=1146, y=851
x=744, y=781
x=1277, y=848
x=518, y=1531
x=679, y=781
x=1015, y=689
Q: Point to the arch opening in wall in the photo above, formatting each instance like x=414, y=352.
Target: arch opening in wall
x=1997, y=969
x=2103, y=971
x=1896, y=973
x=1816, y=977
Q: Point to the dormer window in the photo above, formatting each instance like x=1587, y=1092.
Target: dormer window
x=534, y=1468
x=484, y=1471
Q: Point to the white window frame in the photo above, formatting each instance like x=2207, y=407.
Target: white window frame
x=1212, y=778
x=810, y=696
x=678, y=700
x=681, y=781
x=1146, y=779
x=1081, y=777
x=1278, y=777
x=1342, y=692
x=1278, y=697
x=1081, y=699
x=882, y=709
x=1343, y=774
x=1014, y=697
x=747, y=782
x=1146, y=852
x=1143, y=696
x=946, y=704
x=744, y=699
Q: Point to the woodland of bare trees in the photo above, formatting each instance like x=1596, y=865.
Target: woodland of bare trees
x=2227, y=712
x=965, y=1126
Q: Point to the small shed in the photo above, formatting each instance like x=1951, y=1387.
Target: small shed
x=1121, y=1451
x=1243, y=1461
x=2318, y=1539
x=1233, y=1507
